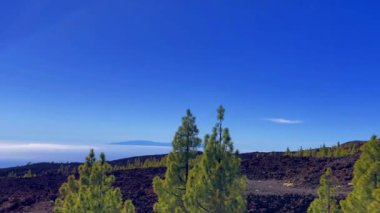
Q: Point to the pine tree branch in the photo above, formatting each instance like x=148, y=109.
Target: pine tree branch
x=171, y=193
x=199, y=204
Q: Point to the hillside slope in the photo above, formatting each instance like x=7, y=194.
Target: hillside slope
x=267, y=173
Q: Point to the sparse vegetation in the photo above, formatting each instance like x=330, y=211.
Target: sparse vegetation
x=212, y=181
x=128, y=207
x=12, y=174
x=298, y=174
x=287, y=153
x=137, y=163
x=29, y=174
x=93, y=191
x=215, y=183
x=326, y=200
x=374, y=206
x=323, y=151
x=171, y=190
x=365, y=196
x=64, y=170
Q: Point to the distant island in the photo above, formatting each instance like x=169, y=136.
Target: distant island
x=142, y=143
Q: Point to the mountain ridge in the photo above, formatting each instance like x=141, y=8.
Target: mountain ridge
x=141, y=143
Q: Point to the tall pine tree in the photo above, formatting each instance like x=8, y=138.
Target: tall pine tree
x=374, y=206
x=215, y=184
x=287, y=153
x=93, y=191
x=366, y=178
x=326, y=200
x=171, y=190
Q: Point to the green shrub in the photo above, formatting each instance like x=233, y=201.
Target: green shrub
x=137, y=163
x=93, y=191
x=12, y=174
x=366, y=180
x=29, y=174
x=324, y=152
x=326, y=200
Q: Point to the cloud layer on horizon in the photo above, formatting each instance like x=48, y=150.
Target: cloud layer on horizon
x=11, y=146
x=13, y=153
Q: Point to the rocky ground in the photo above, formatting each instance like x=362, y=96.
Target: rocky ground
x=277, y=183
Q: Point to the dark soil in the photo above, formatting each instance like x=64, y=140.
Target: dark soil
x=136, y=184
x=302, y=171
x=268, y=170
x=18, y=193
x=278, y=203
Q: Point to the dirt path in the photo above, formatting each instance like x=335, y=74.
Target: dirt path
x=277, y=187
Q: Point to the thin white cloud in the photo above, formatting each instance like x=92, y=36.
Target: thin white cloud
x=40, y=146
x=283, y=121
x=14, y=153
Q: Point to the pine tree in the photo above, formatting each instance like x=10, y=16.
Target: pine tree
x=171, y=190
x=310, y=152
x=12, y=174
x=64, y=170
x=313, y=153
x=287, y=153
x=301, y=152
x=366, y=178
x=29, y=174
x=339, y=151
x=353, y=149
x=92, y=192
x=330, y=152
x=215, y=184
x=128, y=207
x=374, y=206
x=323, y=152
x=326, y=200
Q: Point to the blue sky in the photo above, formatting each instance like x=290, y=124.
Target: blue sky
x=290, y=73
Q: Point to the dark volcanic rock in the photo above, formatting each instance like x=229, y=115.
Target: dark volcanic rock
x=278, y=203
x=29, y=194
x=136, y=184
x=302, y=171
x=16, y=193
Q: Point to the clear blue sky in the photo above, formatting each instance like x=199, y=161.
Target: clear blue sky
x=289, y=73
